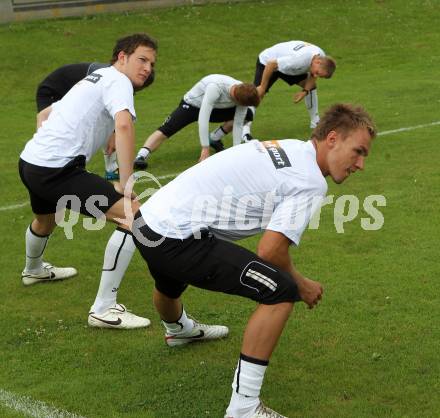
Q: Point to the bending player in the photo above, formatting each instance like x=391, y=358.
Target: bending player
x=53, y=168
x=215, y=98
x=295, y=62
x=183, y=232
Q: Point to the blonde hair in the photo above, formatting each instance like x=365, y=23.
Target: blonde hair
x=344, y=118
x=329, y=64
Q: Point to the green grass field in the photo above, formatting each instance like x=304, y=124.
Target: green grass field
x=369, y=350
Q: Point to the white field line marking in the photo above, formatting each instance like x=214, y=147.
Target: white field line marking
x=409, y=128
x=32, y=408
x=167, y=176
x=17, y=206
x=163, y=177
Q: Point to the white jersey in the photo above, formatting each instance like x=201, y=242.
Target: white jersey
x=213, y=92
x=81, y=122
x=293, y=57
x=275, y=185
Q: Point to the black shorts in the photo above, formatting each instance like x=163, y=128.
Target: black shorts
x=79, y=190
x=289, y=79
x=185, y=114
x=213, y=264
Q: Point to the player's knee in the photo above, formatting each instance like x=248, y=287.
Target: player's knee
x=124, y=208
x=135, y=206
x=43, y=224
x=170, y=290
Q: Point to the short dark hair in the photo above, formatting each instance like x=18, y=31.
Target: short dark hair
x=344, y=118
x=128, y=44
x=246, y=94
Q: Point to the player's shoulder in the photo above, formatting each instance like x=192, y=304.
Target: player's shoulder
x=302, y=158
x=111, y=75
x=93, y=66
x=299, y=46
x=315, y=49
x=219, y=79
x=108, y=81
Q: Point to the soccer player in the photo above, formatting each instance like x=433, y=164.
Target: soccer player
x=183, y=233
x=215, y=98
x=295, y=62
x=52, y=167
x=58, y=83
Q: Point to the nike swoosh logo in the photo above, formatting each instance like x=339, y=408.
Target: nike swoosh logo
x=200, y=335
x=52, y=276
x=118, y=322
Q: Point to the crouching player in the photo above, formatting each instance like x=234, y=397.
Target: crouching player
x=183, y=232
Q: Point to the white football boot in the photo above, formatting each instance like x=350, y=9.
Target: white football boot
x=117, y=317
x=314, y=123
x=200, y=332
x=263, y=412
x=48, y=273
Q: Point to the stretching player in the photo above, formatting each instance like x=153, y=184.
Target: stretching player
x=53, y=168
x=295, y=62
x=215, y=98
x=184, y=231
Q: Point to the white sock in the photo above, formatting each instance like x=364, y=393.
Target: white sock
x=217, y=134
x=143, y=152
x=111, y=162
x=242, y=406
x=182, y=325
x=311, y=101
x=117, y=257
x=246, y=129
x=246, y=387
x=35, y=245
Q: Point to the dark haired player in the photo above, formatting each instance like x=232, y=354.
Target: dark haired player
x=53, y=168
x=215, y=98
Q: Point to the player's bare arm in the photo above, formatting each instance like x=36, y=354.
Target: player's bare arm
x=43, y=115
x=274, y=248
x=269, y=69
x=125, y=144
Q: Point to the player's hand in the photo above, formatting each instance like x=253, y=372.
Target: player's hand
x=299, y=96
x=111, y=145
x=204, y=154
x=310, y=291
x=125, y=191
x=261, y=92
